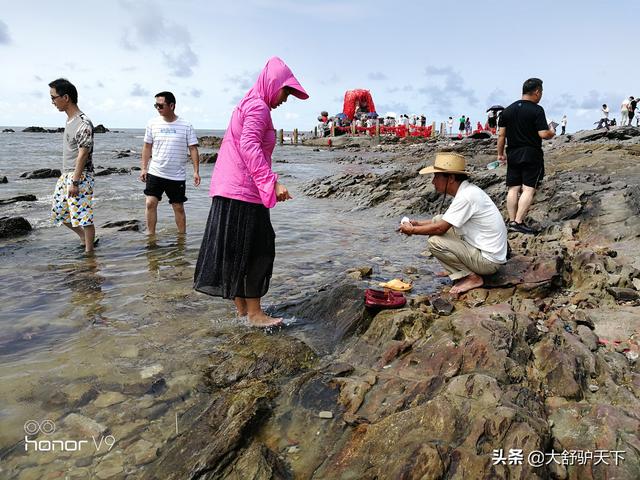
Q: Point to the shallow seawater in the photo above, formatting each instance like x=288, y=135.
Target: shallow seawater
x=67, y=319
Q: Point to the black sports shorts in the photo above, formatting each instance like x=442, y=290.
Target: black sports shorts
x=175, y=189
x=525, y=166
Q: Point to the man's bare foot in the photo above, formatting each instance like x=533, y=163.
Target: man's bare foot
x=263, y=320
x=467, y=283
x=442, y=273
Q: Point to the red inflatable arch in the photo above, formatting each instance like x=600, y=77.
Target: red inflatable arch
x=355, y=98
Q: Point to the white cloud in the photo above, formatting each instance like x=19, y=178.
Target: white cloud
x=5, y=38
x=150, y=29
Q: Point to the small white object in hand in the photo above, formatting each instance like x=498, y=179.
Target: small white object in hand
x=405, y=220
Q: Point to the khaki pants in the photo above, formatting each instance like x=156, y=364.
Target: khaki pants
x=457, y=256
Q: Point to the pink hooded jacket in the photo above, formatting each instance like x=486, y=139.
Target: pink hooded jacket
x=243, y=168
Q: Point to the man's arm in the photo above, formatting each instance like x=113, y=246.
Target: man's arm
x=146, y=156
x=425, y=228
x=195, y=159
x=502, y=138
x=83, y=154
x=547, y=134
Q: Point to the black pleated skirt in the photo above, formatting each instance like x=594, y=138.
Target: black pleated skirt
x=237, y=251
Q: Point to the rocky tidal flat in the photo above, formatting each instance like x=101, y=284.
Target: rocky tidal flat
x=544, y=358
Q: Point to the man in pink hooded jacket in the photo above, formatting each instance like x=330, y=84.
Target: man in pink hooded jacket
x=238, y=247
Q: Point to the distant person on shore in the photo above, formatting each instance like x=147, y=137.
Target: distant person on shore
x=168, y=141
x=477, y=243
x=462, y=120
x=624, y=112
x=467, y=126
x=238, y=247
x=604, y=117
x=492, y=118
x=450, y=125
x=72, y=204
x=563, y=124
x=523, y=125
x=632, y=108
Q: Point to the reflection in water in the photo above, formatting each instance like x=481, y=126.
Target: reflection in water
x=85, y=282
x=160, y=257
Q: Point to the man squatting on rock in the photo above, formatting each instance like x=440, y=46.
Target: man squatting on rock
x=523, y=125
x=477, y=243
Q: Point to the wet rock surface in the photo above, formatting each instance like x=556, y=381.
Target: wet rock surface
x=434, y=390
x=210, y=141
x=208, y=157
x=112, y=170
x=42, y=173
x=124, y=225
x=19, y=198
x=13, y=227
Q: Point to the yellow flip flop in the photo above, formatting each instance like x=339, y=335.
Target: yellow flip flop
x=397, y=285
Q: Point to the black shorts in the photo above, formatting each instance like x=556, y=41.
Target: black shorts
x=175, y=189
x=525, y=166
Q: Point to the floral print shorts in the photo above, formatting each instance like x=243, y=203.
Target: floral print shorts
x=78, y=210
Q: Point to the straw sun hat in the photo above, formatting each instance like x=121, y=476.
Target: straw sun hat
x=447, y=162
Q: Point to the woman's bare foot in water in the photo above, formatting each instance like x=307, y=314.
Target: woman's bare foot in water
x=241, y=306
x=263, y=320
x=467, y=283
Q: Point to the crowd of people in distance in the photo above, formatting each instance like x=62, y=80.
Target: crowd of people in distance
x=627, y=113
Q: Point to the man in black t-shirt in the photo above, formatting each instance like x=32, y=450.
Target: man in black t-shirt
x=523, y=125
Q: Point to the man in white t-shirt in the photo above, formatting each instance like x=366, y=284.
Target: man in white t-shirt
x=477, y=243
x=167, y=141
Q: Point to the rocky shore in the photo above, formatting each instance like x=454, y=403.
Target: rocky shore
x=541, y=361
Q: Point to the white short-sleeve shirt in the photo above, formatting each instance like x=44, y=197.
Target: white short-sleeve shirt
x=170, y=147
x=478, y=221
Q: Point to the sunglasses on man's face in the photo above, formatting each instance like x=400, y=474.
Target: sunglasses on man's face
x=159, y=106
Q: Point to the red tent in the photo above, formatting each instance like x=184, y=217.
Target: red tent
x=355, y=98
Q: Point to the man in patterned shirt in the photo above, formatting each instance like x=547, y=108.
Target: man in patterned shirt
x=73, y=196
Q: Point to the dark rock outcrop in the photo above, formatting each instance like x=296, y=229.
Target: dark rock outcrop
x=100, y=129
x=19, y=198
x=208, y=157
x=4, y=179
x=8, y=130
x=124, y=225
x=210, y=141
x=112, y=170
x=13, y=227
x=42, y=173
x=43, y=130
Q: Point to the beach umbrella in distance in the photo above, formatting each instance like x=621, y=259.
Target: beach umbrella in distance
x=341, y=115
x=495, y=108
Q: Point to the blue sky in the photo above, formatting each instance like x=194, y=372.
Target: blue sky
x=432, y=58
